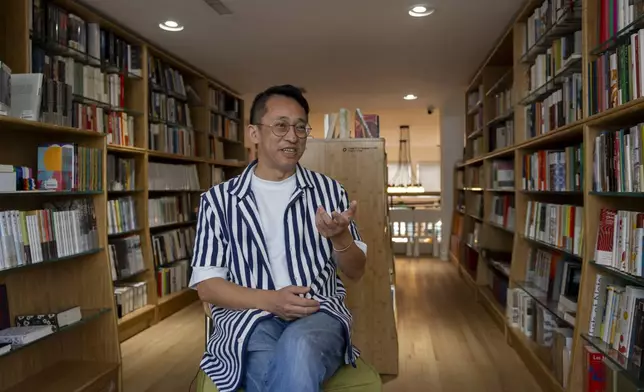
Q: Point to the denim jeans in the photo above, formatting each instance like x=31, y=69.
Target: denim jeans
x=294, y=355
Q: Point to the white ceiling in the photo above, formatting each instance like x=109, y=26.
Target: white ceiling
x=346, y=53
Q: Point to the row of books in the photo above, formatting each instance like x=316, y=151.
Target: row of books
x=502, y=174
x=69, y=167
x=169, y=210
x=502, y=211
x=620, y=241
x=615, y=77
x=221, y=126
x=126, y=257
x=60, y=229
x=222, y=102
x=172, y=246
x=166, y=176
x=121, y=173
x=563, y=106
x=52, y=26
x=129, y=297
x=559, y=56
x=559, y=170
x=172, y=139
x=616, y=314
x=553, y=337
x=169, y=109
x=549, y=14
x=503, y=102
x=121, y=215
x=502, y=134
x=555, y=224
x=617, y=160
x=174, y=278
x=166, y=79
x=474, y=177
x=557, y=277
x=475, y=205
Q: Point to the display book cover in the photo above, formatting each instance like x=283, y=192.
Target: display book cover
x=56, y=167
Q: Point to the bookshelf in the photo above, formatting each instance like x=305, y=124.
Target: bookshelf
x=147, y=134
x=571, y=169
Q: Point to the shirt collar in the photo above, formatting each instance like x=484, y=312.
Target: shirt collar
x=241, y=186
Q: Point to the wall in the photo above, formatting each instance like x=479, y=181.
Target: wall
x=424, y=132
x=452, y=128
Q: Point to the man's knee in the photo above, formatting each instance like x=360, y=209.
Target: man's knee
x=318, y=341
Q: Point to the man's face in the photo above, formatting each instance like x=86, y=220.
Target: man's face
x=279, y=144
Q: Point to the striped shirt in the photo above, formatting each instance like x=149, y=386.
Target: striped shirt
x=229, y=234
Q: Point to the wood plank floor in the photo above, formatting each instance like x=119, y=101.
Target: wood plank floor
x=447, y=342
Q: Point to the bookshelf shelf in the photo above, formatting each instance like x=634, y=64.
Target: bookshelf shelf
x=559, y=112
x=48, y=262
x=88, y=315
x=625, y=366
x=147, y=310
x=123, y=166
x=73, y=376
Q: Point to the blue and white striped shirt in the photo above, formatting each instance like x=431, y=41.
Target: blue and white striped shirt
x=229, y=234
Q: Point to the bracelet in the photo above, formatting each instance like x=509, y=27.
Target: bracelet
x=343, y=249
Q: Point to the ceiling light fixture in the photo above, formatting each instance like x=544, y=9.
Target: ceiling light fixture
x=418, y=11
x=410, y=97
x=170, y=25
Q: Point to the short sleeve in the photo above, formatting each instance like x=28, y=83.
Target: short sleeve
x=210, y=245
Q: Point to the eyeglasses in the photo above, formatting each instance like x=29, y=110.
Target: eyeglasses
x=280, y=129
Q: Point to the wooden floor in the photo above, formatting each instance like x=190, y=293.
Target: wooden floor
x=447, y=342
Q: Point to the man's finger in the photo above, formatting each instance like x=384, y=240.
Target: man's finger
x=305, y=302
x=298, y=311
x=297, y=289
x=339, y=219
x=326, y=218
x=351, y=211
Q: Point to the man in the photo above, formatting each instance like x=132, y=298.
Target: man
x=266, y=255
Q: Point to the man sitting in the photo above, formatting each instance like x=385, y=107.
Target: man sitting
x=268, y=245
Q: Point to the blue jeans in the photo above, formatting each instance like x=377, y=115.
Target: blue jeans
x=294, y=355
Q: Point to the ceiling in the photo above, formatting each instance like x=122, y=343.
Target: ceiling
x=346, y=53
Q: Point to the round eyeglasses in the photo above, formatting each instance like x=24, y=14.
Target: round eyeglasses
x=281, y=128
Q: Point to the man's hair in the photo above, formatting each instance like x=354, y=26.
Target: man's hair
x=258, y=109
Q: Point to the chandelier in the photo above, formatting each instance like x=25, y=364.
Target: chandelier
x=405, y=181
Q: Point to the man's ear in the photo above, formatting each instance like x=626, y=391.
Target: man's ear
x=253, y=133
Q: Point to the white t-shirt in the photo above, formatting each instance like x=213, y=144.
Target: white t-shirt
x=272, y=198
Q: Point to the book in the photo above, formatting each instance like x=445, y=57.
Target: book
x=19, y=336
x=56, y=320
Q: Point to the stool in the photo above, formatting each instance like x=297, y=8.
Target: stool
x=362, y=378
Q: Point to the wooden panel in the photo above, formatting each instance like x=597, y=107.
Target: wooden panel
x=360, y=166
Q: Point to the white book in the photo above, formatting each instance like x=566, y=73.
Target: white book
x=25, y=335
x=26, y=95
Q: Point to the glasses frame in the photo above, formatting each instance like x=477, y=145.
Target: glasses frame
x=272, y=127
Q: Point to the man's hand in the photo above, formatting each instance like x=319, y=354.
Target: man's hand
x=331, y=226
x=287, y=304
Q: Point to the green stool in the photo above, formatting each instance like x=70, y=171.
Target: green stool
x=363, y=378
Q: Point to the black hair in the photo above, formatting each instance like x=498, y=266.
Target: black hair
x=258, y=109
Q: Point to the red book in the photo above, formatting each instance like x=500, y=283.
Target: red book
x=596, y=371
x=605, y=234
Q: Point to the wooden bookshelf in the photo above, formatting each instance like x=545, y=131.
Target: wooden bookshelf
x=90, y=349
x=571, y=138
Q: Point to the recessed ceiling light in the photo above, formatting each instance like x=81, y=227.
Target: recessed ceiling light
x=419, y=11
x=170, y=25
x=410, y=97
